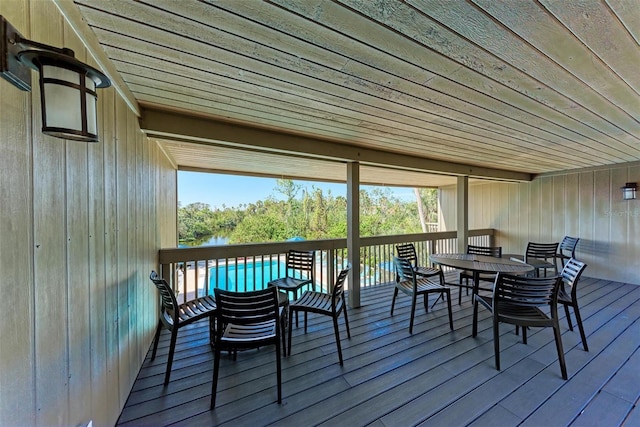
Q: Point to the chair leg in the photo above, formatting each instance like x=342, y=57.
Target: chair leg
x=414, y=298
x=566, y=312
x=305, y=322
x=576, y=310
x=295, y=297
x=346, y=317
x=214, y=384
x=448, y=295
x=496, y=340
x=337, y=332
x=436, y=301
x=466, y=287
x=441, y=277
x=393, y=301
x=212, y=330
x=291, y=327
x=172, y=347
x=558, y=337
x=155, y=340
x=284, y=323
x=425, y=298
x=524, y=335
x=474, y=326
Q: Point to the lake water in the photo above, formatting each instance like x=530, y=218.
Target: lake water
x=206, y=241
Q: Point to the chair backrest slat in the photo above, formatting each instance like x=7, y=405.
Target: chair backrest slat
x=408, y=252
x=568, y=246
x=167, y=297
x=338, y=288
x=526, y=291
x=404, y=269
x=571, y=274
x=245, y=308
x=494, y=251
x=301, y=261
x=541, y=250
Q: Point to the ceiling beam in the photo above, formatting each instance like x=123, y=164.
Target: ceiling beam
x=175, y=125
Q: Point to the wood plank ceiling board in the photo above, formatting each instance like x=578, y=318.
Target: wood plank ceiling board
x=467, y=21
x=399, y=17
x=485, y=120
x=323, y=103
x=533, y=87
x=627, y=12
x=334, y=124
x=611, y=42
x=550, y=35
x=432, y=95
x=503, y=40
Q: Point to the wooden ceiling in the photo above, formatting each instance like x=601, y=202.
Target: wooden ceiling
x=518, y=86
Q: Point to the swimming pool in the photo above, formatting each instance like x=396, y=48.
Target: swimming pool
x=244, y=277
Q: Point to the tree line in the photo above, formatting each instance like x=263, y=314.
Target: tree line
x=308, y=214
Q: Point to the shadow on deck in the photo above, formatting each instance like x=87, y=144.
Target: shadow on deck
x=389, y=378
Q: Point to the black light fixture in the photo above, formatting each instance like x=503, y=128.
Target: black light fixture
x=67, y=86
x=629, y=191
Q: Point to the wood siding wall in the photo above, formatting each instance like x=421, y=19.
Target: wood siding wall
x=586, y=204
x=80, y=228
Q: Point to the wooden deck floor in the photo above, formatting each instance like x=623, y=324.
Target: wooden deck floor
x=434, y=377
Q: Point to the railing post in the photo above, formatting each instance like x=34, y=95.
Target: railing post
x=331, y=267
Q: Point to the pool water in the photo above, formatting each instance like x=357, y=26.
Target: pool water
x=245, y=276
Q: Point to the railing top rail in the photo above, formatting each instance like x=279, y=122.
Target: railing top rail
x=171, y=255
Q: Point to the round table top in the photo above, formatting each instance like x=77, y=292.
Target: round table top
x=481, y=263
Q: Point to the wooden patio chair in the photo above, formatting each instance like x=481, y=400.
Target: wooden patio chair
x=299, y=272
x=518, y=300
x=494, y=251
x=568, y=297
x=174, y=316
x=246, y=320
x=541, y=256
x=408, y=251
x=408, y=282
x=567, y=250
x=326, y=305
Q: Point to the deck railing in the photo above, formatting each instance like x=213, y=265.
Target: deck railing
x=195, y=272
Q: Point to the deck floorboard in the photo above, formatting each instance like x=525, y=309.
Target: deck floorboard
x=435, y=377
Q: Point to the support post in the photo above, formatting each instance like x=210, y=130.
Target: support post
x=353, y=231
x=462, y=213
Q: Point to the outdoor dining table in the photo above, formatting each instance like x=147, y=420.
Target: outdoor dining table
x=481, y=264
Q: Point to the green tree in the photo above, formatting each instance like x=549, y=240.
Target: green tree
x=311, y=215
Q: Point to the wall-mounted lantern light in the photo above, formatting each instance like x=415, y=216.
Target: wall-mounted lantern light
x=629, y=191
x=67, y=86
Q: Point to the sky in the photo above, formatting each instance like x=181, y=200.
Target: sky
x=234, y=190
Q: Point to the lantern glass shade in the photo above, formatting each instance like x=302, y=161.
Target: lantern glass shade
x=68, y=103
x=629, y=191
x=67, y=94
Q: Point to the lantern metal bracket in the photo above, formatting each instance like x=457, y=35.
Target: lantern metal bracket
x=11, y=69
x=18, y=54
